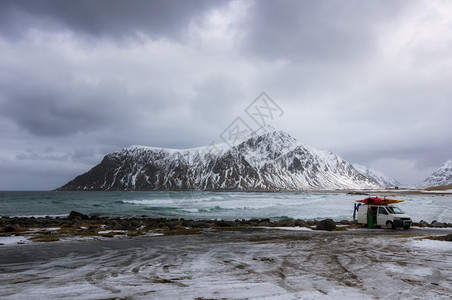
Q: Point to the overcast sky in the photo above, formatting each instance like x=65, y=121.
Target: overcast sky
x=369, y=80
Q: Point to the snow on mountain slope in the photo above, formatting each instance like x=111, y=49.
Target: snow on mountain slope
x=268, y=160
x=379, y=177
x=441, y=177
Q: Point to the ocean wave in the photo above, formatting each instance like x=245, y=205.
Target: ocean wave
x=195, y=197
x=154, y=202
x=161, y=208
x=205, y=209
x=189, y=210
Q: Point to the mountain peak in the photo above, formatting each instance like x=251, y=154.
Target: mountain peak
x=448, y=164
x=248, y=133
x=271, y=133
x=441, y=177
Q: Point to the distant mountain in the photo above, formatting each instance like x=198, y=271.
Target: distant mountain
x=264, y=161
x=379, y=177
x=441, y=177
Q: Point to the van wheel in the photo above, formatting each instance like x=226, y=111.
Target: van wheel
x=389, y=225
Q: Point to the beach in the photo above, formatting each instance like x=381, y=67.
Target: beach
x=234, y=263
x=205, y=245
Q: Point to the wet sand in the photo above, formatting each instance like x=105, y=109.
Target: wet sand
x=244, y=263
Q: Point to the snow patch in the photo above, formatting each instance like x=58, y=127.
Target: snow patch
x=12, y=240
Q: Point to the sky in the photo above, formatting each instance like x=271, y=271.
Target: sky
x=368, y=80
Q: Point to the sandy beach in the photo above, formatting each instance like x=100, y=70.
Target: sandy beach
x=241, y=263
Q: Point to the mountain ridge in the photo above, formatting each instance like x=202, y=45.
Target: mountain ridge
x=378, y=176
x=269, y=160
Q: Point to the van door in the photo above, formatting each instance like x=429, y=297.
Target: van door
x=383, y=216
x=362, y=214
x=372, y=213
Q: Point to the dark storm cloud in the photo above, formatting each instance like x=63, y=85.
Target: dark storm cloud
x=104, y=18
x=368, y=80
x=316, y=30
x=44, y=109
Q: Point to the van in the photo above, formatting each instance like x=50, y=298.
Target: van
x=383, y=215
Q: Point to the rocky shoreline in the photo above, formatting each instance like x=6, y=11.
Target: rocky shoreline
x=77, y=224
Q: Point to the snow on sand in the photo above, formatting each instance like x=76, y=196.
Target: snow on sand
x=234, y=264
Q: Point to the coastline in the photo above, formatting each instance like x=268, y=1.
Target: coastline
x=78, y=225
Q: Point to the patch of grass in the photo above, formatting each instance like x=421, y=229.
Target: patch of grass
x=135, y=233
x=439, y=188
x=45, y=238
x=435, y=238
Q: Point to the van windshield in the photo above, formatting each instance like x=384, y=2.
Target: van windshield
x=395, y=210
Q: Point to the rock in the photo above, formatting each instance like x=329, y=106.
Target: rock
x=77, y=215
x=437, y=224
x=448, y=237
x=345, y=222
x=221, y=223
x=136, y=223
x=422, y=223
x=9, y=228
x=266, y=224
x=357, y=193
x=285, y=223
x=301, y=223
x=312, y=222
x=327, y=224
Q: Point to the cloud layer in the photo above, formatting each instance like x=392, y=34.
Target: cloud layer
x=369, y=81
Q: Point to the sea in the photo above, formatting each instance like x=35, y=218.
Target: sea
x=212, y=205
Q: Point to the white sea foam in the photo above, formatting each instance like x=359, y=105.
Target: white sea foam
x=153, y=202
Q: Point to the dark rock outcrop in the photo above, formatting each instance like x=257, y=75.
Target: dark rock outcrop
x=327, y=224
x=9, y=228
x=448, y=237
x=73, y=215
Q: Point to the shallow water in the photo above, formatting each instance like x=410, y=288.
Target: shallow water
x=212, y=205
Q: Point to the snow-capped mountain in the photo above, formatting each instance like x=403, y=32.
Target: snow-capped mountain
x=441, y=177
x=379, y=177
x=265, y=161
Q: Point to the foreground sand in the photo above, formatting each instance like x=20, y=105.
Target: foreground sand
x=243, y=263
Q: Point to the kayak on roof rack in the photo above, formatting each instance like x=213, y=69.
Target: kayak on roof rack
x=378, y=201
